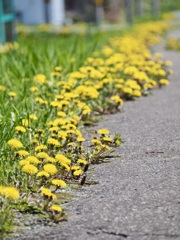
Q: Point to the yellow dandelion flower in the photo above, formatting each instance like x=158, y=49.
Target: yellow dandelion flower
x=50, y=159
x=77, y=118
x=103, y=131
x=170, y=71
x=43, y=174
x=46, y=191
x=107, y=139
x=12, y=94
x=53, y=136
x=42, y=155
x=127, y=90
x=53, y=196
x=20, y=129
x=117, y=142
x=35, y=141
x=118, y=85
x=55, y=74
x=29, y=168
x=54, y=142
x=41, y=101
x=22, y=153
x=54, y=129
x=63, y=103
x=137, y=93
x=56, y=208
x=78, y=133
x=70, y=132
x=33, y=116
x=62, y=135
x=58, y=122
x=164, y=82
x=40, y=131
x=50, y=168
x=2, y=88
x=65, y=166
x=11, y=193
x=25, y=122
x=106, y=147
x=59, y=96
x=14, y=143
x=54, y=103
x=74, y=168
x=117, y=99
x=82, y=161
x=62, y=159
x=152, y=82
x=147, y=85
x=96, y=142
x=33, y=160
x=1, y=190
x=161, y=72
x=40, y=148
x=59, y=183
x=78, y=172
x=40, y=78
x=81, y=139
x=86, y=110
x=61, y=114
x=97, y=147
x=23, y=162
x=73, y=144
x=70, y=126
x=34, y=89
x=73, y=121
x=58, y=68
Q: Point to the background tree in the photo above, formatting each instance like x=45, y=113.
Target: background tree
x=155, y=8
x=113, y=10
x=98, y=11
x=138, y=7
x=129, y=8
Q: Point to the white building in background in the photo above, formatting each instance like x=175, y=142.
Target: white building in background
x=40, y=11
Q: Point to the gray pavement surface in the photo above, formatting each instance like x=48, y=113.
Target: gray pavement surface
x=138, y=194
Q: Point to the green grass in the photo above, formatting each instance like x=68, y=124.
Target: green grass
x=40, y=53
x=170, y=5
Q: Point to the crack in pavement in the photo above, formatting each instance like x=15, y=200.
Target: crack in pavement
x=159, y=235
x=100, y=230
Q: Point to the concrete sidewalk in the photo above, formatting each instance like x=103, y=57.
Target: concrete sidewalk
x=138, y=195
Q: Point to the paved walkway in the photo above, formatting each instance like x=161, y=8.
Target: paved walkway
x=138, y=194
